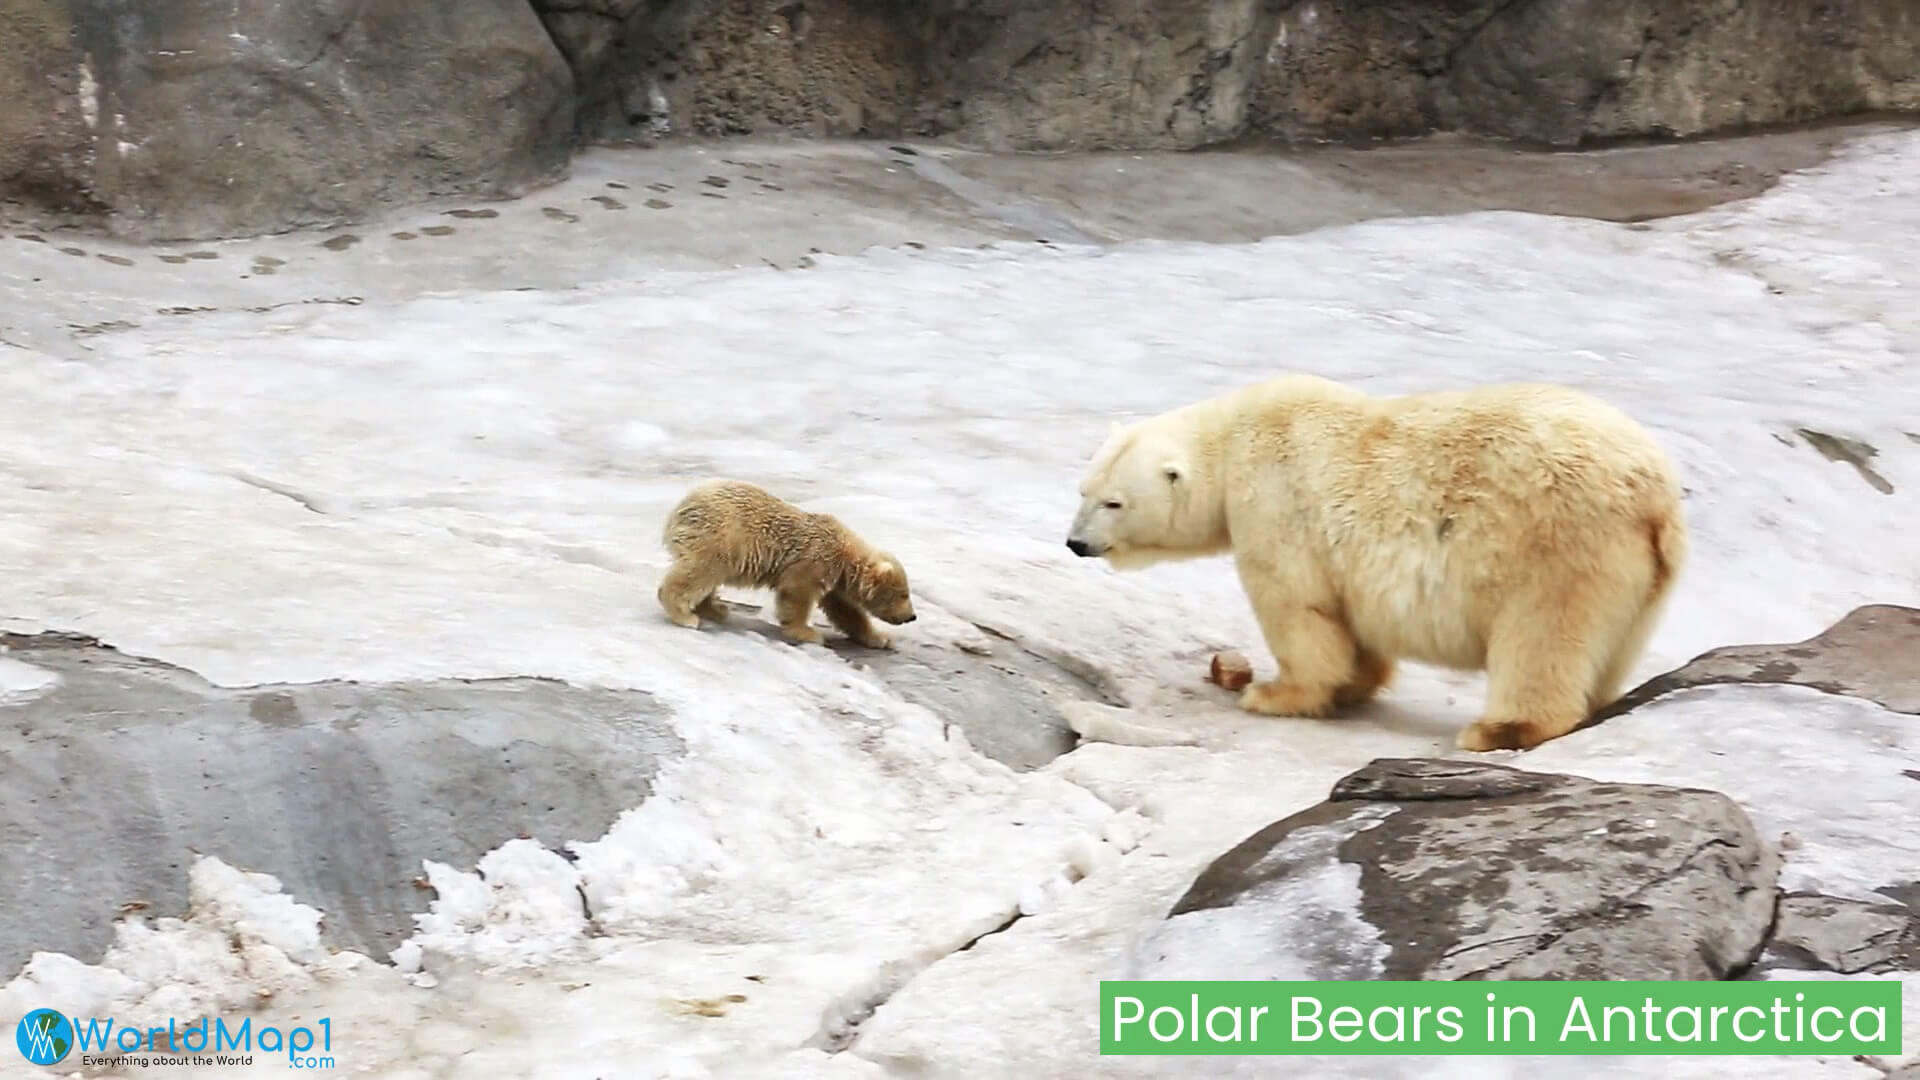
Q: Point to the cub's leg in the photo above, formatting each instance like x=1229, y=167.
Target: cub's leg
x=793, y=602
x=684, y=590
x=1371, y=673
x=1315, y=651
x=852, y=621
x=712, y=608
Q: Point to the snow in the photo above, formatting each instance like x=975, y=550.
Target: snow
x=21, y=683
x=469, y=485
x=1321, y=929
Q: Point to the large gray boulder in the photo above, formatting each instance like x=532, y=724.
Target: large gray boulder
x=119, y=770
x=1437, y=869
x=187, y=119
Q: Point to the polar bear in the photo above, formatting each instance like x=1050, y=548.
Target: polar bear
x=732, y=533
x=1529, y=531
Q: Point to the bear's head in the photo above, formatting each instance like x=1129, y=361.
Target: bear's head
x=1141, y=501
x=881, y=587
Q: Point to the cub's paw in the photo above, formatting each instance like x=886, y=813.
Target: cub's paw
x=802, y=635
x=876, y=640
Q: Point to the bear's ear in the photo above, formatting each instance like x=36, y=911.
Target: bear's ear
x=1173, y=471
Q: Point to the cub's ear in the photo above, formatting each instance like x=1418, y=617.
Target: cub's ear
x=1173, y=471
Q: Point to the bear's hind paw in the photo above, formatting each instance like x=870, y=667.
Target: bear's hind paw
x=1483, y=735
x=802, y=635
x=1280, y=698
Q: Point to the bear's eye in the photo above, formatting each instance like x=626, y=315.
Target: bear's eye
x=1112, y=504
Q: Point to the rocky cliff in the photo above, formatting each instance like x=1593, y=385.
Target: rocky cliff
x=182, y=118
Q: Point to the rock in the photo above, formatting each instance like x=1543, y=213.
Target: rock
x=43, y=128
x=1126, y=74
x=189, y=120
x=1013, y=705
x=1434, y=869
x=1867, y=654
x=120, y=769
x=1562, y=72
x=1135, y=74
x=1826, y=933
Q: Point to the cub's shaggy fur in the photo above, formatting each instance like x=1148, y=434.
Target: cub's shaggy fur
x=1530, y=531
x=727, y=533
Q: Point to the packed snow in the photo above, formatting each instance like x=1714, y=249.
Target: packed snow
x=470, y=485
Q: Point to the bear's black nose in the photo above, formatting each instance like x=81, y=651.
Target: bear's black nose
x=1079, y=547
x=910, y=618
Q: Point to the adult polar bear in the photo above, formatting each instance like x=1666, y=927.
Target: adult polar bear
x=1526, y=530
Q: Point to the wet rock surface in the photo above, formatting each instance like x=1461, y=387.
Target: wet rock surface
x=118, y=770
x=1464, y=870
x=1006, y=699
x=1870, y=653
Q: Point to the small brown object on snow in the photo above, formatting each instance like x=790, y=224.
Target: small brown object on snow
x=1231, y=670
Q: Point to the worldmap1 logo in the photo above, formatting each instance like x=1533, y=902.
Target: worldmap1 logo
x=44, y=1037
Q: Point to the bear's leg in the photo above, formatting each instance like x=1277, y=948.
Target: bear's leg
x=1314, y=649
x=681, y=590
x=1371, y=672
x=850, y=620
x=712, y=608
x=792, y=607
x=1540, y=671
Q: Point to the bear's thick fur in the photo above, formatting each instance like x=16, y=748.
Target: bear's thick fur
x=728, y=533
x=1530, y=531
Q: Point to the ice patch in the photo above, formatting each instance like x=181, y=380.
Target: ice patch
x=21, y=682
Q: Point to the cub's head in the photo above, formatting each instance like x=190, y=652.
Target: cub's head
x=882, y=589
x=1139, y=502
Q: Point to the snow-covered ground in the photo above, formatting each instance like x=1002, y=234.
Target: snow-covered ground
x=470, y=485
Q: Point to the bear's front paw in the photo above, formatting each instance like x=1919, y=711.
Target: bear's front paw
x=802, y=635
x=876, y=640
x=686, y=619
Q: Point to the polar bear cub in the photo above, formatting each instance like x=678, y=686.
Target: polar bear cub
x=1530, y=531
x=729, y=533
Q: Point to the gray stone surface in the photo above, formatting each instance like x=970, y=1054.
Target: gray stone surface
x=1826, y=933
x=1562, y=72
x=1475, y=871
x=190, y=119
x=1133, y=74
x=127, y=767
x=1870, y=653
x=1004, y=698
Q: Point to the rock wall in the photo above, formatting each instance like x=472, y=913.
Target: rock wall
x=189, y=119
x=185, y=118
